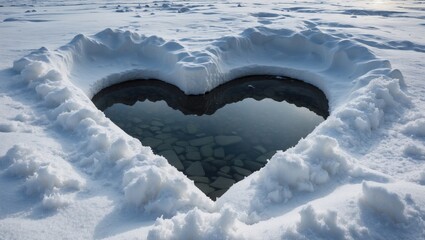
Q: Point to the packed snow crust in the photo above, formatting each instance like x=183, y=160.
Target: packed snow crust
x=323, y=188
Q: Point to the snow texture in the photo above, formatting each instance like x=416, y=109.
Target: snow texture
x=42, y=177
x=358, y=175
x=196, y=224
x=314, y=161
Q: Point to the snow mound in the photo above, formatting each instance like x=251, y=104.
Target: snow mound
x=21, y=162
x=15, y=126
x=8, y=127
x=369, y=211
x=91, y=62
x=422, y=177
x=391, y=211
x=55, y=201
x=300, y=169
x=197, y=224
x=384, y=202
x=47, y=178
x=42, y=177
x=414, y=151
x=363, y=92
x=415, y=128
x=161, y=189
x=317, y=225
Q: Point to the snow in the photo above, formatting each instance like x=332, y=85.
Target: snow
x=384, y=202
x=415, y=128
x=319, y=225
x=359, y=175
x=42, y=176
x=197, y=224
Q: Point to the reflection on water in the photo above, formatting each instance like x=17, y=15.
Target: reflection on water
x=220, y=137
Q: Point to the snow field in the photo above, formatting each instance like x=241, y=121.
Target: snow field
x=314, y=161
x=324, y=187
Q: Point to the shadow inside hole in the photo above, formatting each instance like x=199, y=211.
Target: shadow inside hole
x=220, y=137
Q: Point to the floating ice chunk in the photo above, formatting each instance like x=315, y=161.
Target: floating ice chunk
x=227, y=140
x=195, y=169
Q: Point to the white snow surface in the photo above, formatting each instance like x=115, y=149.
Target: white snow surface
x=67, y=171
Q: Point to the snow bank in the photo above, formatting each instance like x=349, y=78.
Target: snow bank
x=112, y=56
x=363, y=92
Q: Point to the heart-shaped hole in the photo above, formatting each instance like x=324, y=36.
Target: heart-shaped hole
x=220, y=137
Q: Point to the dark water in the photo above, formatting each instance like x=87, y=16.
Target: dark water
x=220, y=137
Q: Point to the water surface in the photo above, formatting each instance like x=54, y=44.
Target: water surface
x=220, y=137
